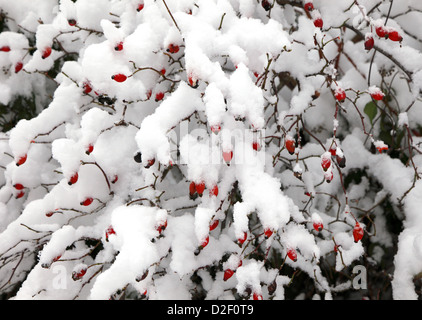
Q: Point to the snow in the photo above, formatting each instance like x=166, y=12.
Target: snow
x=256, y=75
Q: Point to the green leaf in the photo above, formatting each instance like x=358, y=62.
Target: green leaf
x=371, y=110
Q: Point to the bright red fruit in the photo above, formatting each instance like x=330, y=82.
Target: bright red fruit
x=214, y=191
x=87, y=87
x=308, y=6
x=162, y=226
x=393, y=35
x=381, y=32
x=5, y=49
x=89, y=149
x=46, y=53
x=115, y=178
x=72, y=22
x=268, y=232
x=318, y=23
x=290, y=144
x=159, y=96
x=340, y=94
x=291, y=253
x=243, y=239
x=20, y=195
x=78, y=275
x=18, y=186
x=257, y=296
x=140, y=7
x=18, y=67
x=173, y=48
x=192, y=189
x=228, y=274
x=328, y=175
x=214, y=224
x=378, y=95
x=318, y=226
x=357, y=232
x=205, y=242
x=21, y=160
x=119, y=46
x=150, y=163
x=119, y=77
x=326, y=161
x=87, y=202
x=109, y=232
x=200, y=187
x=256, y=146
x=73, y=179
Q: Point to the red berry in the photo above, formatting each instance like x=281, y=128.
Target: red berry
x=140, y=7
x=115, y=178
x=18, y=186
x=256, y=146
x=290, y=144
x=382, y=148
x=119, y=46
x=308, y=6
x=333, y=151
x=163, y=71
x=87, y=202
x=326, y=161
x=173, y=48
x=340, y=94
x=162, y=226
x=194, y=83
x=192, y=189
x=89, y=149
x=20, y=195
x=159, y=96
x=73, y=179
x=268, y=232
x=78, y=275
x=18, y=67
x=393, y=35
x=46, y=53
x=205, y=242
x=228, y=274
x=291, y=253
x=227, y=156
x=318, y=226
x=377, y=95
x=357, y=232
x=119, y=77
x=257, y=296
x=369, y=42
x=318, y=23
x=200, y=187
x=381, y=32
x=5, y=49
x=109, y=232
x=243, y=239
x=214, y=224
x=214, y=191
x=72, y=22
x=57, y=258
x=87, y=87
x=21, y=160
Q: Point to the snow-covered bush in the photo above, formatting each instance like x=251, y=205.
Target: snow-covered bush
x=211, y=149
